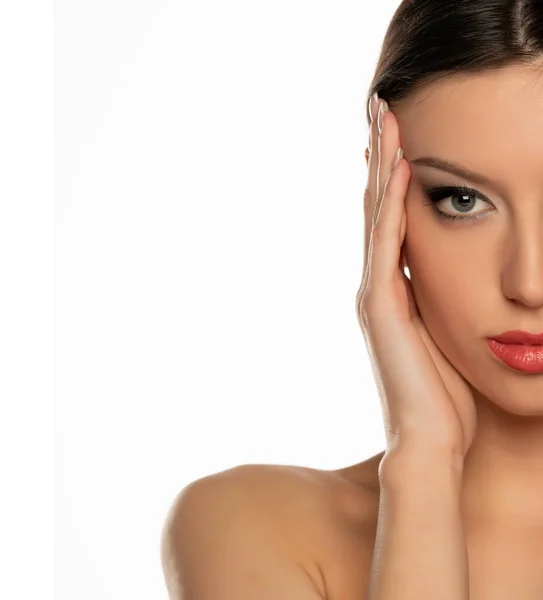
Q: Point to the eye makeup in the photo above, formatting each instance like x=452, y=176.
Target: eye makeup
x=465, y=194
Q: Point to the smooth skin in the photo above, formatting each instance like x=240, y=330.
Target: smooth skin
x=425, y=401
x=291, y=532
x=420, y=551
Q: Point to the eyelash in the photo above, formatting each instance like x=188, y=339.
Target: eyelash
x=438, y=193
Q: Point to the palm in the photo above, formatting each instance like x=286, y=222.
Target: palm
x=458, y=388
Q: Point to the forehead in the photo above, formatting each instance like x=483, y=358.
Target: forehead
x=491, y=123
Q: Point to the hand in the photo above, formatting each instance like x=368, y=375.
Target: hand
x=425, y=401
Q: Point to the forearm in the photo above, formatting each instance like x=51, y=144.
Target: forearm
x=420, y=550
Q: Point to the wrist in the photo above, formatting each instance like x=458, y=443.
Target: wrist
x=416, y=465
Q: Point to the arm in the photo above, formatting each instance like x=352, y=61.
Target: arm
x=221, y=541
x=420, y=550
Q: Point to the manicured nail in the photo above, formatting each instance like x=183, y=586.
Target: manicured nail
x=372, y=106
x=382, y=108
x=397, y=158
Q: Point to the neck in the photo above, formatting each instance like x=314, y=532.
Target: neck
x=503, y=469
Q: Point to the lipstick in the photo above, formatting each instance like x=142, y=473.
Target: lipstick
x=520, y=350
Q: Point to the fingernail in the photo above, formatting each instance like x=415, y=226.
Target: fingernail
x=372, y=106
x=382, y=108
x=397, y=158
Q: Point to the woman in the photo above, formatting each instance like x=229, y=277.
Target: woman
x=453, y=508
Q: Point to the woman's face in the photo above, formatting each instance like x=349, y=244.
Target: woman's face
x=473, y=279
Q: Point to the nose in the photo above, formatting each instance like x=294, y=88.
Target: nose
x=523, y=275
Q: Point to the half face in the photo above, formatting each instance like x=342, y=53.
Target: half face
x=475, y=255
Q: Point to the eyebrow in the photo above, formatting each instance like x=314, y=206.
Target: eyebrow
x=445, y=165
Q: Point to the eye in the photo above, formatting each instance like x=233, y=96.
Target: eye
x=462, y=198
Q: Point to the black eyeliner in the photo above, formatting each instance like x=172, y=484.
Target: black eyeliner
x=437, y=193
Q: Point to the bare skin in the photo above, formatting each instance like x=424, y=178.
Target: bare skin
x=324, y=523
x=505, y=559
x=476, y=278
x=471, y=279
x=505, y=556
x=485, y=277
x=481, y=277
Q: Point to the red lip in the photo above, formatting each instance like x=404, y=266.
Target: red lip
x=520, y=337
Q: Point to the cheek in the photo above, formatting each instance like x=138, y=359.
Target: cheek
x=445, y=308
x=445, y=271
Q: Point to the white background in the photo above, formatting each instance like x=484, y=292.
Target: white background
x=26, y=299
x=209, y=180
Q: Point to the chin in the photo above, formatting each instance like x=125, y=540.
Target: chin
x=505, y=392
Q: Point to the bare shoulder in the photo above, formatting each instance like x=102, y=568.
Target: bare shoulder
x=272, y=524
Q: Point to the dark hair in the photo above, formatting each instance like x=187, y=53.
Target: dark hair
x=428, y=40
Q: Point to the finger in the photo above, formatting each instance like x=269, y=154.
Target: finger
x=389, y=142
x=386, y=241
x=373, y=148
x=370, y=193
